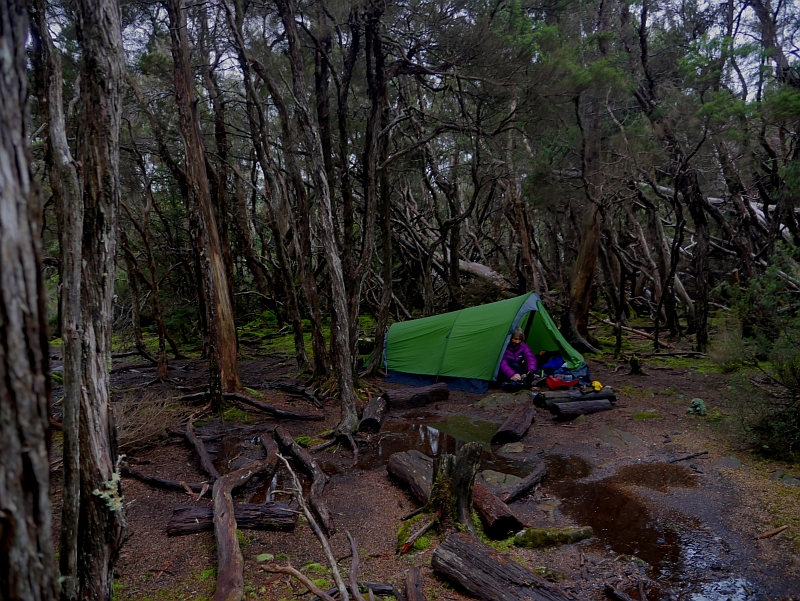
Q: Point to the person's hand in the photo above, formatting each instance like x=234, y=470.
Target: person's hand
x=516, y=378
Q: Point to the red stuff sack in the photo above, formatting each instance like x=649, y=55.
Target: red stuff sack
x=556, y=383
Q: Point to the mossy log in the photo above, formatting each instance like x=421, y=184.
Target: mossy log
x=498, y=520
x=515, y=427
x=488, y=575
x=374, y=414
x=417, y=397
x=580, y=408
x=536, y=538
x=314, y=471
x=188, y=519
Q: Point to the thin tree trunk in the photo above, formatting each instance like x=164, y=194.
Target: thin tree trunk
x=27, y=568
x=348, y=421
x=223, y=364
x=67, y=194
x=102, y=527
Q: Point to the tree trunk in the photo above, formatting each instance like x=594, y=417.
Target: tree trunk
x=67, y=193
x=102, y=527
x=453, y=480
x=222, y=360
x=348, y=422
x=27, y=570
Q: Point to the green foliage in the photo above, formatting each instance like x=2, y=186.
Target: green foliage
x=209, y=574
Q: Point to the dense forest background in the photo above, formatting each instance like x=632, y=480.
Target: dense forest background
x=215, y=170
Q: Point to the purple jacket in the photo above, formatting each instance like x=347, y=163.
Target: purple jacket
x=517, y=353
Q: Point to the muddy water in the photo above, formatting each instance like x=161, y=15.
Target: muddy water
x=436, y=437
x=679, y=550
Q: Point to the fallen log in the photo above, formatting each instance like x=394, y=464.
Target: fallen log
x=374, y=414
x=536, y=538
x=617, y=594
x=514, y=428
x=314, y=471
x=547, y=399
x=200, y=447
x=188, y=519
x=130, y=472
x=377, y=588
x=498, y=520
x=527, y=483
x=488, y=575
x=294, y=389
x=230, y=564
x=414, y=590
x=580, y=408
x=273, y=411
x=416, y=470
x=417, y=397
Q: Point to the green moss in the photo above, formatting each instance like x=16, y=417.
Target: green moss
x=407, y=529
x=303, y=441
x=208, y=574
x=535, y=538
x=645, y=415
x=244, y=539
x=315, y=567
x=281, y=556
x=322, y=583
x=234, y=414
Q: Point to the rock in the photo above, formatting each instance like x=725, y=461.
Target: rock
x=580, y=420
x=789, y=480
x=730, y=462
x=512, y=447
x=777, y=475
x=497, y=400
x=619, y=438
x=499, y=479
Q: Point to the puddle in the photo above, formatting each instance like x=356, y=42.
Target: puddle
x=733, y=589
x=435, y=438
x=657, y=476
x=572, y=467
x=678, y=549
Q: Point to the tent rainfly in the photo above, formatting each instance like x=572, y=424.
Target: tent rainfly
x=464, y=348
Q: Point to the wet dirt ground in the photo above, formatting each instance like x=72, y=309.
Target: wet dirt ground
x=671, y=531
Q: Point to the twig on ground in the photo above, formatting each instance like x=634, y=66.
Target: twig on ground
x=692, y=456
x=771, y=533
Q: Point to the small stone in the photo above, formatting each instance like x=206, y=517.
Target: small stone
x=676, y=432
x=580, y=420
x=777, y=475
x=265, y=557
x=499, y=478
x=512, y=447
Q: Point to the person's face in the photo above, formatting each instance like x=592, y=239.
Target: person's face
x=515, y=340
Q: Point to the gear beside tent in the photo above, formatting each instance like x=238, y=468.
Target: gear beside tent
x=464, y=348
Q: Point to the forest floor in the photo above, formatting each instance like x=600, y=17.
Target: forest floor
x=684, y=530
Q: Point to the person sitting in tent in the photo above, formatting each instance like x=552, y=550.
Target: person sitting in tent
x=518, y=360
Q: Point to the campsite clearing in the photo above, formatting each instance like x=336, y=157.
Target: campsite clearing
x=685, y=530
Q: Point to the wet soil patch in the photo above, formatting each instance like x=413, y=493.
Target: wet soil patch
x=566, y=467
x=657, y=476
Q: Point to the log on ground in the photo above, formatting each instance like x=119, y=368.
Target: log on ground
x=414, y=469
x=314, y=471
x=188, y=519
x=537, y=538
x=548, y=399
x=129, y=472
x=527, y=483
x=488, y=575
x=417, y=397
x=374, y=414
x=230, y=564
x=498, y=520
x=269, y=409
x=515, y=427
x=414, y=590
x=580, y=408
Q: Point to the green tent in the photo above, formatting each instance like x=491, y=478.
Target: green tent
x=469, y=344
